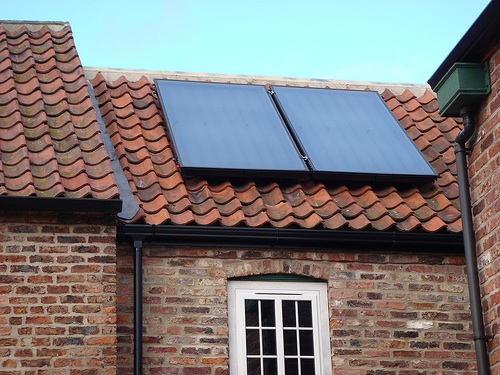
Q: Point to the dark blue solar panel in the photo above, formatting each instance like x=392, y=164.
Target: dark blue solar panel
x=227, y=128
x=351, y=133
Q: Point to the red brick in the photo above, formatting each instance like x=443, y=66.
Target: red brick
x=38, y=320
x=103, y=340
x=85, y=269
x=45, y=331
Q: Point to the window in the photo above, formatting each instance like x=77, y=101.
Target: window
x=278, y=328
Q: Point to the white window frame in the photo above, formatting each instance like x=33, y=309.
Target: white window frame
x=316, y=292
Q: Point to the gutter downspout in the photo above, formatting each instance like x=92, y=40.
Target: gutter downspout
x=138, y=306
x=480, y=338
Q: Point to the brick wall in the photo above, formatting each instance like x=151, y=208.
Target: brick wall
x=57, y=294
x=389, y=313
x=484, y=173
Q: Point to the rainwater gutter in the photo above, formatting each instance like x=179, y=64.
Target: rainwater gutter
x=459, y=91
x=480, y=338
x=299, y=239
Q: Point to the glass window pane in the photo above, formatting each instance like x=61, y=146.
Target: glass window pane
x=253, y=366
x=305, y=314
x=289, y=314
x=292, y=367
x=306, y=342
x=270, y=366
x=253, y=342
x=307, y=366
x=269, y=341
x=290, y=342
x=267, y=313
x=252, y=313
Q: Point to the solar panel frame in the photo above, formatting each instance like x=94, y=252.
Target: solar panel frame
x=221, y=129
x=335, y=129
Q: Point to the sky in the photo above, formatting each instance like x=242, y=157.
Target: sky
x=400, y=41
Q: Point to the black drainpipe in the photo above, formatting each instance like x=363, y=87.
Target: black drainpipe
x=138, y=305
x=480, y=338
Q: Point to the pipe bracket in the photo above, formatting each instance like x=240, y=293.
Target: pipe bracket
x=484, y=338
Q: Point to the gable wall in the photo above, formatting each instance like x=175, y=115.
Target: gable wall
x=484, y=174
x=57, y=294
x=389, y=312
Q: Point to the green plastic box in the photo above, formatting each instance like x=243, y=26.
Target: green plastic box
x=465, y=84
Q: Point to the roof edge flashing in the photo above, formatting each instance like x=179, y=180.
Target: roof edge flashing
x=129, y=207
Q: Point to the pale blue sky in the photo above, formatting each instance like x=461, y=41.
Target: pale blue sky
x=373, y=40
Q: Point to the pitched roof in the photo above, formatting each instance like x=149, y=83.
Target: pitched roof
x=134, y=121
x=50, y=143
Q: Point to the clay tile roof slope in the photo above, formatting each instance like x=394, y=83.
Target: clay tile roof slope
x=50, y=142
x=135, y=123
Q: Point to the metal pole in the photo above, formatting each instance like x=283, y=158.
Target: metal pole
x=138, y=307
x=480, y=338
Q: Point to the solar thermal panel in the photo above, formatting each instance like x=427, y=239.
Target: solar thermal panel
x=351, y=134
x=227, y=129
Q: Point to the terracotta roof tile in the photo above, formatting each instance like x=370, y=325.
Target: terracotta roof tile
x=247, y=194
x=258, y=220
x=390, y=199
x=375, y=211
x=284, y=222
x=233, y=220
x=337, y=221
x=310, y=221
x=424, y=213
x=211, y=217
x=57, y=149
x=409, y=224
x=303, y=211
x=400, y=212
x=201, y=209
x=229, y=208
x=128, y=106
x=433, y=225
x=382, y=223
x=327, y=210
x=254, y=209
x=360, y=222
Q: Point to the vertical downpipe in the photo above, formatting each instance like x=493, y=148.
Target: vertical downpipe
x=480, y=338
x=138, y=306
